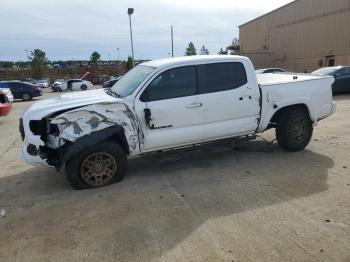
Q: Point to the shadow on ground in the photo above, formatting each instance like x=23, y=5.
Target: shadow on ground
x=158, y=205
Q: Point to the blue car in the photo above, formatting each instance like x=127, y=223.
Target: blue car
x=22, y=90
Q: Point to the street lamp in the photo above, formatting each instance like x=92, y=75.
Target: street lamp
x=130, y=12
x=118, y=54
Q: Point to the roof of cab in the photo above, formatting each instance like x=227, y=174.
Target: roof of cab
x=191, y=59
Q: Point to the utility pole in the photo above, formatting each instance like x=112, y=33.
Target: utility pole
x=172, y=42
x=118, y=53
x=27, y=52
x=130, y=12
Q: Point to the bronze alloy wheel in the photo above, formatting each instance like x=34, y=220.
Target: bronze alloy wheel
x=299, y=130
x=98, y=169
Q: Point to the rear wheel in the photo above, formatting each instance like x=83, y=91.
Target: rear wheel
x=97, y=166
x=26, y=97
x=294, y=129
x=83, y=87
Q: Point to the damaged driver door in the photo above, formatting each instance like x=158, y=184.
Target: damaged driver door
x=170, y=108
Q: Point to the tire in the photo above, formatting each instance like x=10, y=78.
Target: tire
x=26, y=96
x=83, y=87
x=294, y=130
x=85, y=170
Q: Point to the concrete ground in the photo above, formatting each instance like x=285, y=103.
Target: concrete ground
x=254, y=203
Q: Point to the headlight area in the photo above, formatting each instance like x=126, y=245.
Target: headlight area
x=47, y=132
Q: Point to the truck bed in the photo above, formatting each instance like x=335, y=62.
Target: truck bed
x=283, y=78
x=281, y=90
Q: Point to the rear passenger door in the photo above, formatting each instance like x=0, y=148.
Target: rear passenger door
x=230, y=101
x=342, y=83
x=16, y=89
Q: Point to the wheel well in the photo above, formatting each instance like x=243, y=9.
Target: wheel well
x=121, y=140
x=114, y=133
x=277, y=114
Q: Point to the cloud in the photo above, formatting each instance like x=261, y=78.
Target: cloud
x=68, y=29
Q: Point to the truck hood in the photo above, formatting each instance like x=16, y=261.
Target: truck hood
x=66, y=101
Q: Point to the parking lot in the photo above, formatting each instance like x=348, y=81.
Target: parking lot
x=253, y=202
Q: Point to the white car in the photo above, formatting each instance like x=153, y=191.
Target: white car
x=73, y=84
x=7, y=92
x=42, y=83
x=171, y=104
x=270, y=70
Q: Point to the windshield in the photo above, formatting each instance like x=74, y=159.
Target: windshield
x=329, y=71
x=131, y=80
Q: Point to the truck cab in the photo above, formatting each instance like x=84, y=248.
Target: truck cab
x=195, y=101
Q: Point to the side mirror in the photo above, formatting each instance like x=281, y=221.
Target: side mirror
x=144, y=96
x=148, y=117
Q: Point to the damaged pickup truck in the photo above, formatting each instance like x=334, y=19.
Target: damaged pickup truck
x=170, y=104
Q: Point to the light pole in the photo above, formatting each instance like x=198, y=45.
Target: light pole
x=118, y=53
x=130, y=12
x=172, y=42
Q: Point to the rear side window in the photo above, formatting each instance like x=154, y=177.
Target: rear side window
x=345, y=71
x=221, y=77
x=178, y=82
x=4, y=85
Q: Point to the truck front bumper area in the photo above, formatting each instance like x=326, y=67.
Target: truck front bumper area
x=31, y=159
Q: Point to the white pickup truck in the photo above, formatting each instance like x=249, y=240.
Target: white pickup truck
x=170, y=104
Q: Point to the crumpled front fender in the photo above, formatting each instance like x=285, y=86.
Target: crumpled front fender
x=87, y=120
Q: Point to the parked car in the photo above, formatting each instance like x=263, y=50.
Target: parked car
x=6, y=91
x=341, y=75
x=58, y=82
x=115, y=77
x=73, y=84
x=22, y=90
x=270, y=70
x=5, y=104
x=42, y=83
x=110, y=83
x=167, y=105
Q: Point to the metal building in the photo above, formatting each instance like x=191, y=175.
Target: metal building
x=300, y=36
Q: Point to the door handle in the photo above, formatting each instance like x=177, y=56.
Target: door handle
x=194, y=105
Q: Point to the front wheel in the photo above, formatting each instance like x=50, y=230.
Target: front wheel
x=294, y=130
x=26, y=97
x=97, y=166
x=83, y=87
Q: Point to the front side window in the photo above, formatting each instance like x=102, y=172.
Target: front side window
x=174, y=83
x=221, y=77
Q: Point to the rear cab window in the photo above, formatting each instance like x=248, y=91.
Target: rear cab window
x=220, y=77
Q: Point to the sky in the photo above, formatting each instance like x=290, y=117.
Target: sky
x=73, y=29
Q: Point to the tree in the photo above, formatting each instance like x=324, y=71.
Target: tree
x=235, y=42
x=39, y=61
x=204, y=51
x=94, y=58
x=6, y=64
x=222, y=52
x=190, y=50
x=129, y=63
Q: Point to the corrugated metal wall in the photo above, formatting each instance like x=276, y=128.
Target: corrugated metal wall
x=300, y=35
